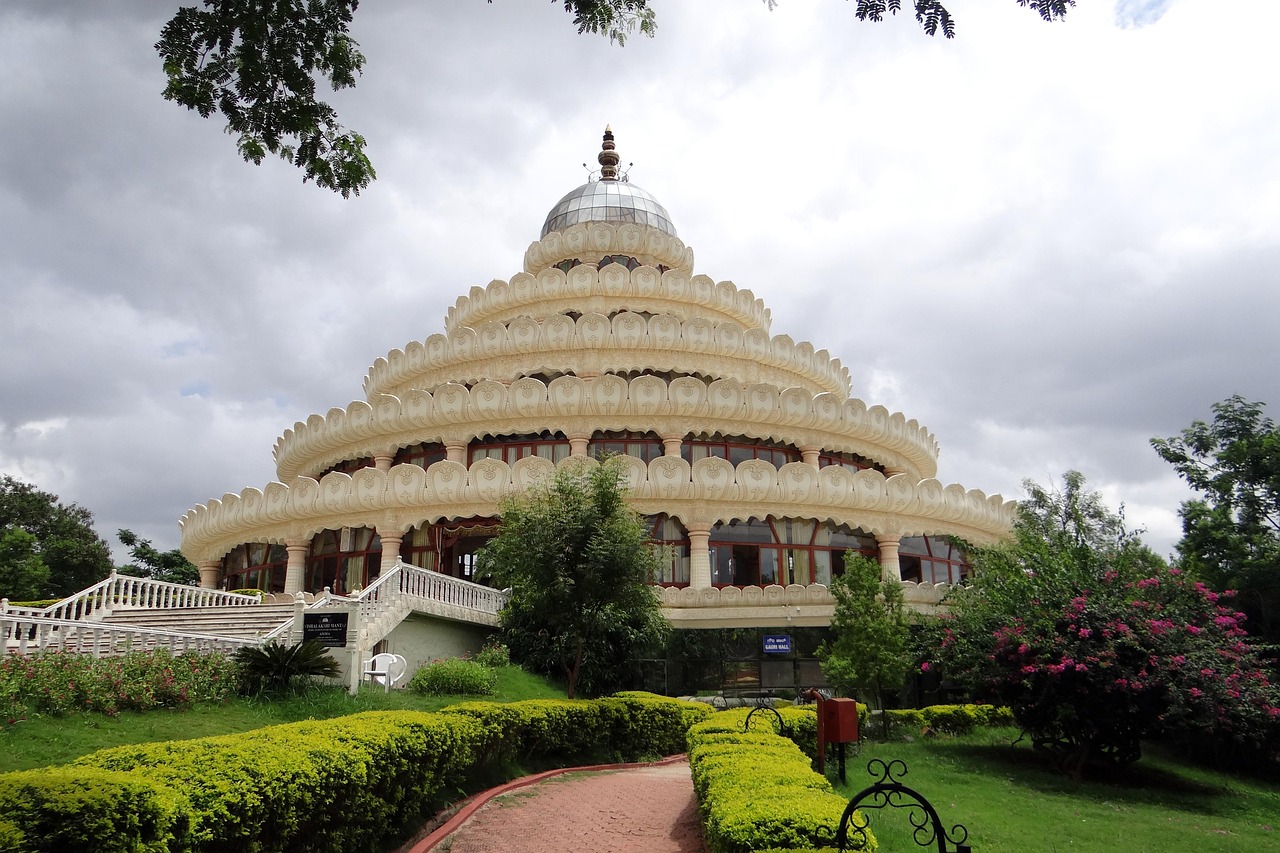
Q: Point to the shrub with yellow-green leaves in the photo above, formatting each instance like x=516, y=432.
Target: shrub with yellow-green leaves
x=757, y=790
x=951, y=719
x=801, y=724
x=82, y=808
x=327, y=785
x=321, y=785
x=625, y=727
x=645, y=725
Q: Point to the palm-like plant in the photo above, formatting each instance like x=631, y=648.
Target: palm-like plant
x=275, y=667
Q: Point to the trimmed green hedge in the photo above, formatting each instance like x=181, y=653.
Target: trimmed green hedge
x=757, y=790
x=329, y=785
x=951, y=719
x=82, y=808
x=628, y=726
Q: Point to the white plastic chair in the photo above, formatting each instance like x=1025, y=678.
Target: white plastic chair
x=386, y=669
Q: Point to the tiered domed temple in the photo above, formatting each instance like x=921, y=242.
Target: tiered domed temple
x=745, y=450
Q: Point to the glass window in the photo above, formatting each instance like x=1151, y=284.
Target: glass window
x=822, y=566
x=796, y=566
x=640, y=445
x=794, y=531
x=752, y=530
x=512, y=449
x=768, y=566
x=673, y=551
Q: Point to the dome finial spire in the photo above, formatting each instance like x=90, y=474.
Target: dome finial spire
x=608, y=157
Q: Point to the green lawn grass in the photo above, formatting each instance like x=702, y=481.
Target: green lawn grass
x=42, y=741
x=1010, y=800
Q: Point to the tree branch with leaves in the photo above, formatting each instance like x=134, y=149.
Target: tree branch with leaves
x=258, y=63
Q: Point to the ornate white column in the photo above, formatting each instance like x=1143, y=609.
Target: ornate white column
x=578, y=444
x=890, y=569
x=391, y=540
x=209, y=571
x=382, y=461
x=455, y=451
x=671, y=445
x=809, y=454
x=295, y=571
x=699, y=554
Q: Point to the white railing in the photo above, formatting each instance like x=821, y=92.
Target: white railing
x=396, y=590
x=414, y=582
x=27, y=634
x=380, y=596
x=285, y=631
x=75, y=623
x=422, y=583
x=126, y=591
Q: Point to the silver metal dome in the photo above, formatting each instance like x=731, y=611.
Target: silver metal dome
x=608, y=201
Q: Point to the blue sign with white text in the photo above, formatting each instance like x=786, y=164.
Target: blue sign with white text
x=777, y=644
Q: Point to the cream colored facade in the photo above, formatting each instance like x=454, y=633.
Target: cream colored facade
x=569, y=355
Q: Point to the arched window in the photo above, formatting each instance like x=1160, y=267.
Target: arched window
x=851, y=462
x=736, y=449
x=344, y=560
x=673, y=551
x=255, y=565
x=782, y=551
x=422, y=455
x=641, y=445
x=349, y=466
x=512, y=448
x=931, y=559
x=419, y=547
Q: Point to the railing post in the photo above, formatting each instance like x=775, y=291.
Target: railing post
x=299, y=605
x=356, y=656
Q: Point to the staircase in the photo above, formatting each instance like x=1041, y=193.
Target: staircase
x=249, y=623
x=123, y=613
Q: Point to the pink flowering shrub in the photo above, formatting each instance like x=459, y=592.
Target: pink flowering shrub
x=1095, y=645
x=59, y=682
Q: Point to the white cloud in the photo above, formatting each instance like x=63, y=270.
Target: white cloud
x=1047, y=243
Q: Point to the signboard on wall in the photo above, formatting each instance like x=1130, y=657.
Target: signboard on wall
x=777, y=644
x=329, y=628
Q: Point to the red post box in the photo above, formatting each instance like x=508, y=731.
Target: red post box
x=839, y=720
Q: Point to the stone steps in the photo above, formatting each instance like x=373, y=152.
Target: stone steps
x=247, y=621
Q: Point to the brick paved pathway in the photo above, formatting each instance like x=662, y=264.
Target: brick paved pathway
x=640, y=810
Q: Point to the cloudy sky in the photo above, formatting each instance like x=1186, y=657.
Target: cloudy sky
x=1047, y=243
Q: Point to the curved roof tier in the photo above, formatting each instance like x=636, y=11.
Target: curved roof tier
x=709, y=490
x=575, y=405
x=594, y=344
x=650, y=285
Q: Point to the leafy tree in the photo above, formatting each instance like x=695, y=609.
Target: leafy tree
x=148, y=562
x=578, y=562
x=23, y=575
x=871, y=630
x=1231, y=537
x=67, y=544
x=1095, y=645
x=257, y=63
